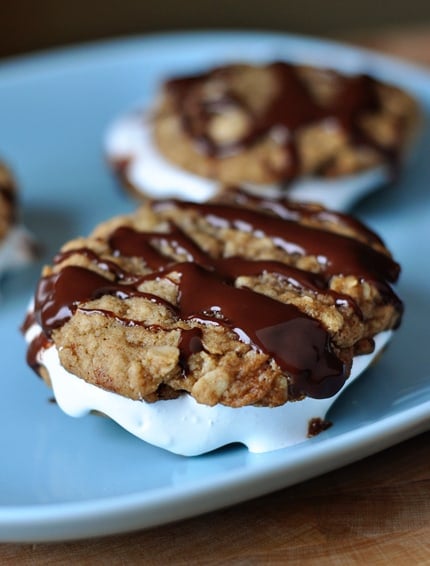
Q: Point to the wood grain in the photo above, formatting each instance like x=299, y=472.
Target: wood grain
x=374, y=512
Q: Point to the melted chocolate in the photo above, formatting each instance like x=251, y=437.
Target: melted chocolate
x=298, y=343
x=8, y=194
x=39, y=343
x=105, y=265
x=317, y=425
x=59, y=295
x=292, y=108
x=190, y=342
x=207, y=296
x=337, y=254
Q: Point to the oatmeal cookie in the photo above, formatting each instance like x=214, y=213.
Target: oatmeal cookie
x=8, y=202
x=17, y=246
x=239, y=301
x=321, y=135
x=272, y=123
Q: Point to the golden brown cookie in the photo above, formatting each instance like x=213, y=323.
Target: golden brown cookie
x=272, y=123
x=236, y=302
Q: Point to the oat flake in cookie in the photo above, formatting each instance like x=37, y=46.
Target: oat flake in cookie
x=17, y=246
x=197, y=325
x=324, y=136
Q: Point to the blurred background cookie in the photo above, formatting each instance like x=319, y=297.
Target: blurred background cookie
x=197, y=325
x=17, y=245
x=314, y=132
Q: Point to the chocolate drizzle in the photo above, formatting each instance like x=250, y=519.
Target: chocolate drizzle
x=190, y=343
x=337, y=253
x=207, y=295
x=297, y=211
x=291, y=109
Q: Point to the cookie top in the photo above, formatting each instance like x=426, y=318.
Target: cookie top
x=273, y=123
x=241, y=301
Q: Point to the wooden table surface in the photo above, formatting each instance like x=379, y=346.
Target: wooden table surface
x=373, y=512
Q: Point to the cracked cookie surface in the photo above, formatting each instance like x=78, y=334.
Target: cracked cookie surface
x=239, y=301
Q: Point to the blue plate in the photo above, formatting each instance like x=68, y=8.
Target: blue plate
x=62, y=478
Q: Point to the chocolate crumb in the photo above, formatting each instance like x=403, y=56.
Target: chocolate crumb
x=317, y=425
